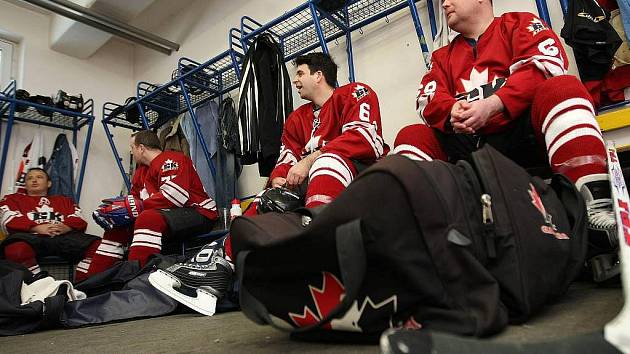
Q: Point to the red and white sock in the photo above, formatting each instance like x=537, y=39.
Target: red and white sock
x=22, y=253
x=109, y=251
x=418, y=142
x=147, y=236
x=82, y=268
x=328, y=177
x=563, y=112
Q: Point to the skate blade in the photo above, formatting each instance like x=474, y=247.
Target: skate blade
x=197, y=299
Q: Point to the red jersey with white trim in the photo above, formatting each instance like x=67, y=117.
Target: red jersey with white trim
x=20, y=212
x=171, y=181
x=348, y=124
x=511, y=58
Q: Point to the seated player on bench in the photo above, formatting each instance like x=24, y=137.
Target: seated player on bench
x=41, y=225
x=503, y=81
x=325, y=143
x=167, y=199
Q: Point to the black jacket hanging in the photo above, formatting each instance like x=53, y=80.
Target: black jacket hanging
x=264, y=104
x=594, y=41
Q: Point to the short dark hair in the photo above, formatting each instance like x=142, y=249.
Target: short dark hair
x=320, y=62
x=147, y=138
x=39, y=169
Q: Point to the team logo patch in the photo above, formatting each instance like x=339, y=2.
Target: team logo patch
x=536, y=26
x=548, y=227
x=360, y=92
x=479, y=85
x=45, y=214
x=329, y=296
x=169, y=165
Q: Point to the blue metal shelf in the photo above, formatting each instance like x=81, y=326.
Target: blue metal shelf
x=308, y=27
x=194, y=84
x=47, y=116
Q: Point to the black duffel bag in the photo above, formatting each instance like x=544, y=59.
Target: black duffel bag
x=457, y=248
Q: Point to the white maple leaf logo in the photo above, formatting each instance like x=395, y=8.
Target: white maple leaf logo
x=44, y=209
x=476, y=79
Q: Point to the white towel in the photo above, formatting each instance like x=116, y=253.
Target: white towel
x=43, y=288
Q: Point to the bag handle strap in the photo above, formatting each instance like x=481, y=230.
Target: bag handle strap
x=352, y=265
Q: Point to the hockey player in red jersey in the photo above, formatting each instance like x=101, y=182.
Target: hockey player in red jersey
x=326, y=139
x=503, y=81
x=40, y=225
x=166, y=197
x=324, y=145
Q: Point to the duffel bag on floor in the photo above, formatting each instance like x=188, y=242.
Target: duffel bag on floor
x=414, y=244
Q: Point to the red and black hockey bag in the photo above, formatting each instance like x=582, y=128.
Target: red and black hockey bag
x=408, y=244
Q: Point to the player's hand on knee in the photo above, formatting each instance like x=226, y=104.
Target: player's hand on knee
x=278, y=182
x=117, y=212
x=298, y=173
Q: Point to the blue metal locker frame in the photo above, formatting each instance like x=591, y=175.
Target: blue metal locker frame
x=308, y=27
x=194, y=84
x=59, y=118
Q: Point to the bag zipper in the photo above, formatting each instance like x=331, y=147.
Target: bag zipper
x=488, y=225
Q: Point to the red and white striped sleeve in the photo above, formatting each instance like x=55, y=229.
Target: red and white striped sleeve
x=537, y=54
x=361, y=131
x=174, y=182
x=12, y=218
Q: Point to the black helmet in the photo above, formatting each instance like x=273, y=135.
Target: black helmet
x=279, y=200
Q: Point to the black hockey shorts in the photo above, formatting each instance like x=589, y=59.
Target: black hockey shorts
x=518, y=143
x=70, y=246
x=184, y=223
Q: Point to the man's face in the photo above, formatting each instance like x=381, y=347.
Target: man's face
x=305, y=81
x=459, y=11
x=136, y=150
x=37, y=183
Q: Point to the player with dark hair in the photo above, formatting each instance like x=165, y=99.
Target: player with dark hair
x=324, y=144
x=166, y=198
x=41, y=225
x=326, y=139
x=503, y=81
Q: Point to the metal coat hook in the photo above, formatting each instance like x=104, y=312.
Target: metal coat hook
x=361, y=30
x=336, y=41
x=387, y=19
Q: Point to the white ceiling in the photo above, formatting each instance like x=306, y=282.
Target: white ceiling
x=78, y=40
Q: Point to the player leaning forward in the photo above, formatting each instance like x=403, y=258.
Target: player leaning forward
x=503, y=81
x=167, y=199
x=325, y=144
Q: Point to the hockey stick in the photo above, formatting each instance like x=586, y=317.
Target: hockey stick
x=614, y=339
x=616, y=331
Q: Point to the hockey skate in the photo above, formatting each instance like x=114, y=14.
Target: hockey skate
x=198, y=283
x=602, y=227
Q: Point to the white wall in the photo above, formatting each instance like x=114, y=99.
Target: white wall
x=106, y=76
x=386, y=56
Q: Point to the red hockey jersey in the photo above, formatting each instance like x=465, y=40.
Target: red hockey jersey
x=20, y=212
x=511, y=58
x=348, y=124
x=170, y=181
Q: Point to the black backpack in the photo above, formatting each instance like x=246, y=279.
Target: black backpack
x=409, y=244
x=593, y=39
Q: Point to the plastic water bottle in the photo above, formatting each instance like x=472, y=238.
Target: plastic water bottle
x=236, y=209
